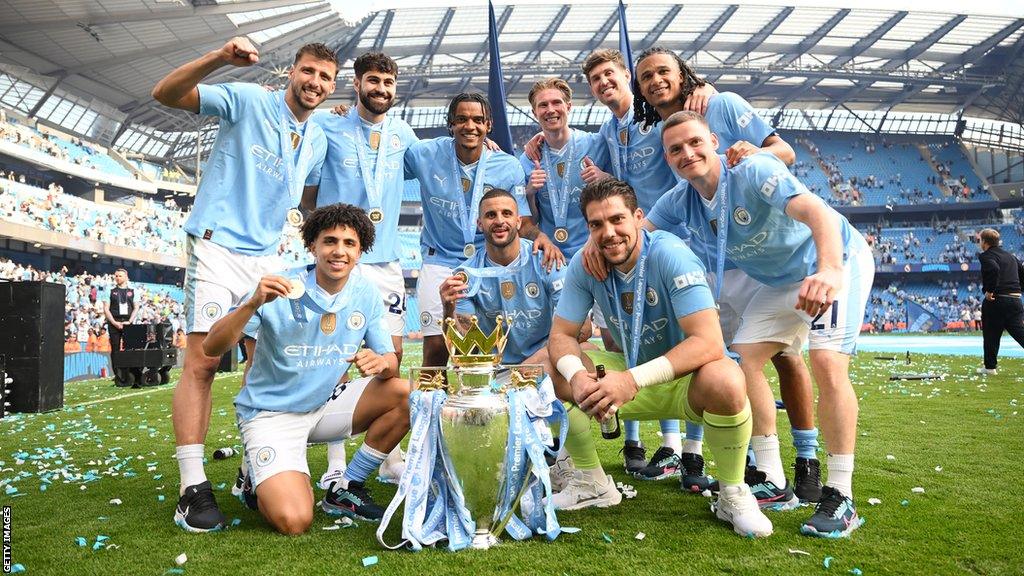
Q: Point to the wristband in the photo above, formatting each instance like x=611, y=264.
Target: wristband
x=656, y=371
x=569, y=365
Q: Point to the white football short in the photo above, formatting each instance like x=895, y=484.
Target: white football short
x=771, y=317
x=736, y=294
x=387, y=277
x=217, y=280
x=428, y=288
x=276, y=442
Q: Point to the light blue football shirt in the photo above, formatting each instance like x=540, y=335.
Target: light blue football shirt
x=341, y=178
x=296, y=365
x=564, y=185
x=253, y=176
x=525, y=293
x=676, y=286
x=434, y=164
x=732, y=119
x=636, y=157
x=762, y=240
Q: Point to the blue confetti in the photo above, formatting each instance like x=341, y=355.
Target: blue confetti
x=369, y=561
x=17, y=568
x=10, y=490
x=81, y=542
x=856, y=572
x=174, y=571
x=159, y=497
x=606, y=537
x=236, y=521
x=828, y=562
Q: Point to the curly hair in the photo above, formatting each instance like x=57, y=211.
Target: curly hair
x=467, y=97
x=605, y=189
x=375, y=62
x=643, y=112
x=334, y=215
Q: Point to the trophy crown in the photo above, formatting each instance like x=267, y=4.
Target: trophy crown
x=475, y=348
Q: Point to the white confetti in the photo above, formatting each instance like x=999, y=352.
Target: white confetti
x=938, y=468
x=332, y=527
x=890, y=457
x=874, y=501
x=344, y=521
x=796, y=552
x=917, y=490
x=640, y=536
x=115, y=501
x=181, y=559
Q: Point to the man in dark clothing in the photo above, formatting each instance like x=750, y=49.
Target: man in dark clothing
x=1001, y=278
x=119, y=311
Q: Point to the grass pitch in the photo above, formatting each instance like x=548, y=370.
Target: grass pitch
x=960, y=439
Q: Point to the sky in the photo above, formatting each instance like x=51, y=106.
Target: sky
x=1015, y=8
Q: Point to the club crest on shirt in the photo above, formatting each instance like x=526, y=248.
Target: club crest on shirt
x=425, y=318
x=741, y=216
x=212, y=311
x=626, y=298
x=356, y=321
x=532, y=289
x=652, y=296
x=265, y=456
x=328, y=323
x=508, y=289
x=645, y=128
x=396, y=142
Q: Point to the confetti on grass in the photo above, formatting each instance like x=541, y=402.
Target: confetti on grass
x=369, y=561
x=796, y=552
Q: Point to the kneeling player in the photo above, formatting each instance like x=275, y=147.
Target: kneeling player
x=292, y=394
x=662, y=315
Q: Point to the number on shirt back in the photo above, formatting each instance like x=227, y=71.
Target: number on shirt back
x=834, y=308
x=396, y=304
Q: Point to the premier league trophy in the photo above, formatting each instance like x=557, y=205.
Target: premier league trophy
x=471, y=457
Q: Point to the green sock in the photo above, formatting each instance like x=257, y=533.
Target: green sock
x=727, y=437
x=579, y=442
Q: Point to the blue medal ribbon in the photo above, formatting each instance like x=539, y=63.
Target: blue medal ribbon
x=639, y=302
x=289, y=156
x=560, y=194
x=620, y=150
x=722, y=195
x=312, y=300
x=468, y=214
x=373, y=182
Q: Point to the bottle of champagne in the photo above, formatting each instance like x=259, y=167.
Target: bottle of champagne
x=610, y=428
x=222, y=453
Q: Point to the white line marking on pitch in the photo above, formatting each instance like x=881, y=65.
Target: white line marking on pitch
x=170, y=386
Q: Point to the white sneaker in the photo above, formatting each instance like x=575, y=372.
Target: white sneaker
x=986, y=371
x=331, y=476
x=561, y=472
x=392, y=468
x=582, y=492
x=737, y=506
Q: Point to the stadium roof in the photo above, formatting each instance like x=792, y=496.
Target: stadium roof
x=114, y=51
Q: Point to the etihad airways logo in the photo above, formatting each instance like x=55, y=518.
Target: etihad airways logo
x=317, y=351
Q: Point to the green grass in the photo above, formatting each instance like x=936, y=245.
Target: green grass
x=964, y=522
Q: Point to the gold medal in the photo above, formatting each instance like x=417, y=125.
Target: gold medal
x=462, y=276
x=561, y=235
x=298, y=289
x=295, y=217
x=296, y=138
x=469, y=250
x=508, y=289
x=374, y=140
x=328, y=322
x=376, y=215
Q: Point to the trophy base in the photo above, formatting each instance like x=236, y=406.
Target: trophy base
x=483, y=540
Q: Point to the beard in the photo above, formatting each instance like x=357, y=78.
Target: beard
x=513, y=236
x=373, y=105
x=297, y=93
